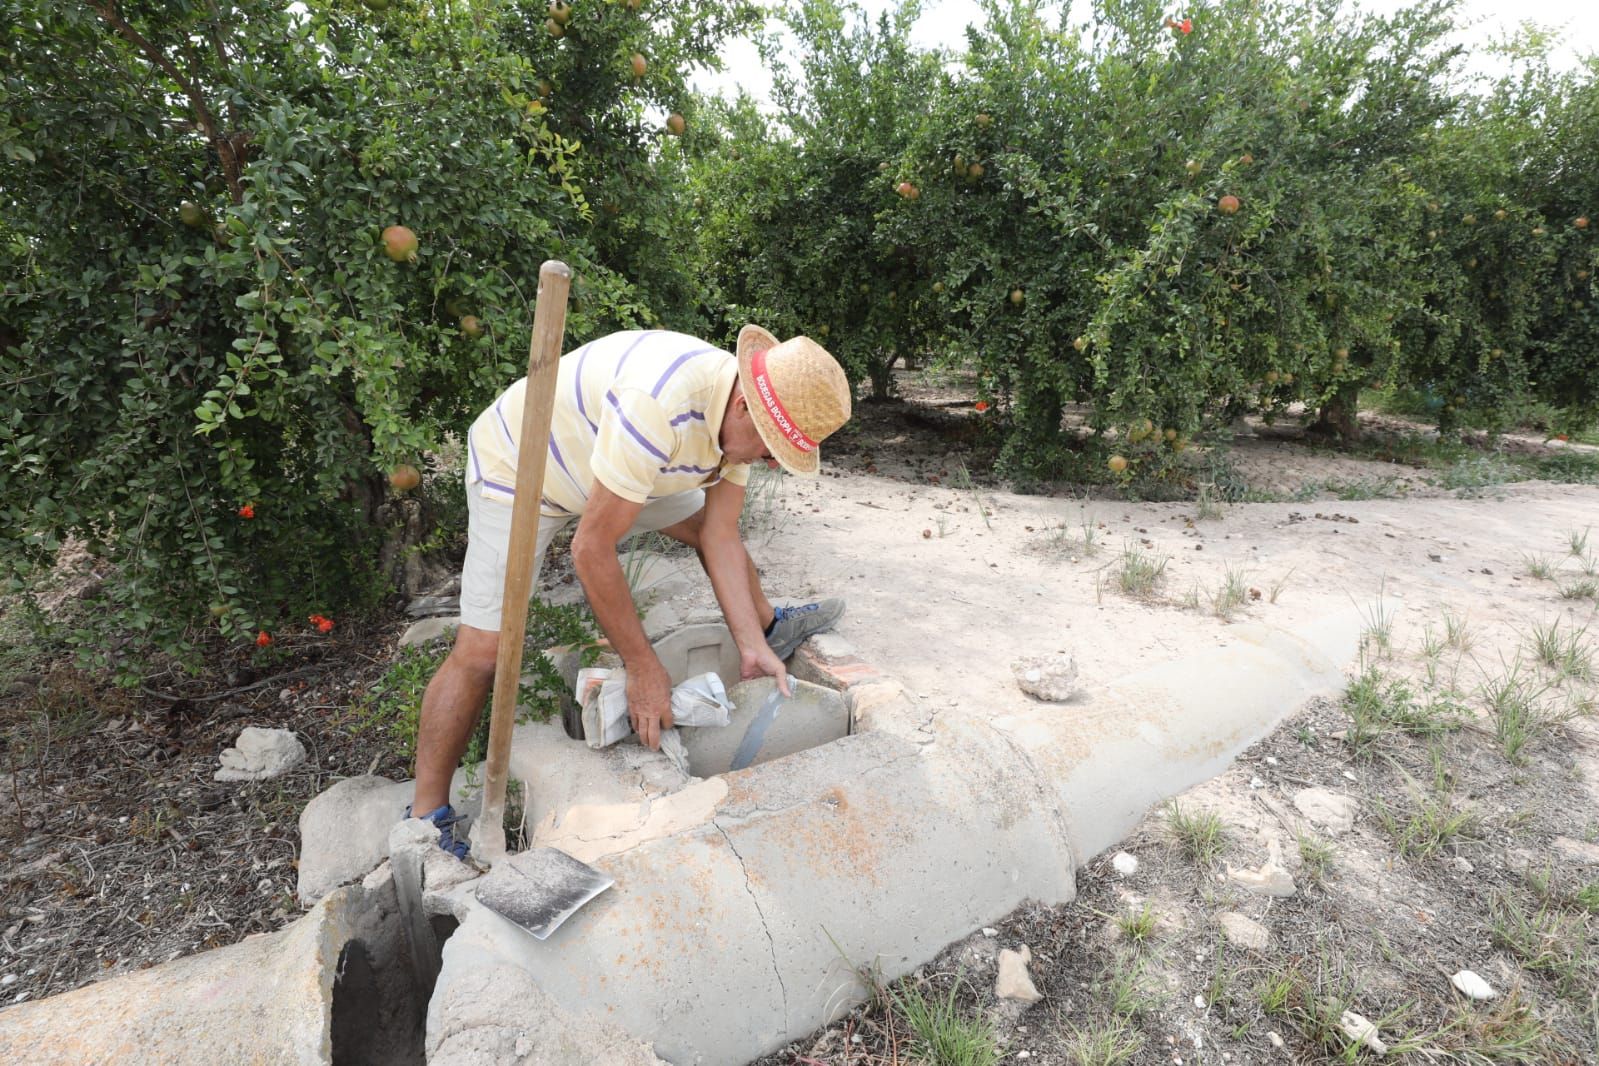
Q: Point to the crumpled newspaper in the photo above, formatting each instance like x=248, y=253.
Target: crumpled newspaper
x=602, y=693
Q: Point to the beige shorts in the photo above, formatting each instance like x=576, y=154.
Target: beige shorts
x=488, y=537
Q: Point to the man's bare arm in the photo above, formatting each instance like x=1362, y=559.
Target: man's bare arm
x=729, y=566
x=606, y=520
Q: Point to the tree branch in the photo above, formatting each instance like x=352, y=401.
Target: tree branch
x=107, y=10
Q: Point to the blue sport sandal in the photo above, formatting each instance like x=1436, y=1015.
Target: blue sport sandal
x=452, y=828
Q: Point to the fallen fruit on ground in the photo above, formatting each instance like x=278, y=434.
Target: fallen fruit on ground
x=675, y=125
x=405, y=477
x=400, y=244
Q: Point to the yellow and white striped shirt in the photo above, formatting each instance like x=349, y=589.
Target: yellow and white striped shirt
x=641, y=411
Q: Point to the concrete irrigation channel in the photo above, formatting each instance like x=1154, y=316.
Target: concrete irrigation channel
x=870, y=831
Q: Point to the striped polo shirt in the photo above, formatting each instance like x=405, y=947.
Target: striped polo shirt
x=641, y=411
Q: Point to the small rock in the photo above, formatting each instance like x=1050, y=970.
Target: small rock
x=1271, y=760
x=1013, y=981
x=1331, y=810
x=1463, y=864
x=1269, y=880
x=1052, y=678
x=260, y=754
x=1273, y=1039
x=8, y=979
x=1578, y=851
x=1255, y=782
x=1361, y=1031
x=990, y=931
x=1472, y=986
x=1436, y=557
x=1124, y=863
x=1245, y=932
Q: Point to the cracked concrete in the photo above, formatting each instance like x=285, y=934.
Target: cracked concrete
x=874, y=850
x=771, y=944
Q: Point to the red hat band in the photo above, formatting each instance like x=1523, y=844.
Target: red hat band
x=774, y=406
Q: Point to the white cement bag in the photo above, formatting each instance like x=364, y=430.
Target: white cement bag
x=699, y=701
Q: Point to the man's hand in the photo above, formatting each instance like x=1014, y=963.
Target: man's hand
x=763, y=663
x=649, y=701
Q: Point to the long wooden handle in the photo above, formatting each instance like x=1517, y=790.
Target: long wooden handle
x=532, y=446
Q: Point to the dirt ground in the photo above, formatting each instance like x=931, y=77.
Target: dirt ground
x=1474, y=841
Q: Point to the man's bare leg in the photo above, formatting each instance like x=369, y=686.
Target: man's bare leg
x=450, y=710
x=688, y=532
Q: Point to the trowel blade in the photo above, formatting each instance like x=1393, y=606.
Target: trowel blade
x=540, y=889
x=755, y=732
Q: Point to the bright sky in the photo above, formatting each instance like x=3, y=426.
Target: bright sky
x=943, y=23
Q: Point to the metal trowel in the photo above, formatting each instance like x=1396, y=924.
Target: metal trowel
x=755, y=732
x=541, y=888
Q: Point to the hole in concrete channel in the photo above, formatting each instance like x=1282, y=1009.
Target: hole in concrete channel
x=380, y=998
x=761, y=729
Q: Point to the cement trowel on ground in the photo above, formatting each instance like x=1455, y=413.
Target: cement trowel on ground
x=537, y=889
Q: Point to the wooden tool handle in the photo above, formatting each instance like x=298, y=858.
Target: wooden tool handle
x=538, y=407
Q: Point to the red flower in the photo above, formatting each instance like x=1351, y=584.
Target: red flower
x=247, y=511
x=323, y=625
x=982, y=405
x=1561, y=436
x=262, y=639
x=1187, y=26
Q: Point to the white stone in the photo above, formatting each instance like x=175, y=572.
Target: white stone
x=660, y=620
x=989, y=931
x=260, y=754
x=1124, y=863
x=1013, y=981
x=1472, y=986
x=1333, y=811
x=428, y=630
x=1274, y=1039
x=1269, y=880
x=1052, y=678
x=1244, y=931
x=1361, y=1031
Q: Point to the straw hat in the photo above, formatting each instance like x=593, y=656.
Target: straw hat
x=797, y=393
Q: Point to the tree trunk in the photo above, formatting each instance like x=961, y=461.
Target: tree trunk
x=1338, y=416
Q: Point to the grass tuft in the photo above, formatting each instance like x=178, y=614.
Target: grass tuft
x=942, y=1033
x=1200, y=836
x=1140, y=571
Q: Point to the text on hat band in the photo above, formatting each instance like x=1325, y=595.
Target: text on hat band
x=774, y=407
